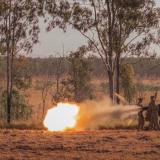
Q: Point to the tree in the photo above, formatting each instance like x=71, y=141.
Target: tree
x=111, y=28
x=18, y=32
x=78, y=87
x=134, y=33
x=58, y=75
x=45, y=85
x=127, y=82
x=21, y=110
x=59, y=65
x=21, y=81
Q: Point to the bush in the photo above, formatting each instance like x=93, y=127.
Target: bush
x=20, y=110
x=128, y=85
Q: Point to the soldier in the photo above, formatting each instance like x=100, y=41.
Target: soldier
x=140, y=100
x=153, y=112
x=159, y=113
x=140, y=114
x=140, y=120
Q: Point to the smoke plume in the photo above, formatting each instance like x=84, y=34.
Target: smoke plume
x=96, y=113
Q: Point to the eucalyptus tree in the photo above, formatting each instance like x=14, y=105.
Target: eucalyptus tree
x=135, y=31
x=111, y=27
x=18, y=32
x=78, y=84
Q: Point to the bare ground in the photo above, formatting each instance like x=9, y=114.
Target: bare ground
x=85, y=145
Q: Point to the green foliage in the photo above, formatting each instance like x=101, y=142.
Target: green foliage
x=22, y=19
x=20, y=110
x=126, y=22
x=128, y=85
x=19, y=31
x=78, y=85
x=21, y=74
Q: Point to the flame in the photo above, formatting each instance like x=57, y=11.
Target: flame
x=63, y=116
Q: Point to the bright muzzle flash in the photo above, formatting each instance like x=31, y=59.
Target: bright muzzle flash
x=62, y=117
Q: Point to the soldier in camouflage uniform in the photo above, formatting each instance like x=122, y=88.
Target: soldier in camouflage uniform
x=153, y=112
x=140, y=115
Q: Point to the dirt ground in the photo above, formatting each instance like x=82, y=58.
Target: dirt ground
x=85, y=145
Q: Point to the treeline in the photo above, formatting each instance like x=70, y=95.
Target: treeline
x=143, y=67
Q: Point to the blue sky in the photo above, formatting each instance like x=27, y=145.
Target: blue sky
x=52, y=43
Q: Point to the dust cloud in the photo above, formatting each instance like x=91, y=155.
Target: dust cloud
x=96, y=113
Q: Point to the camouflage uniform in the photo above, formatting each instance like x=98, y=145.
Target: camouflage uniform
x=140, y=114
x=140, y=120
x=153, y=111
x=159, y=113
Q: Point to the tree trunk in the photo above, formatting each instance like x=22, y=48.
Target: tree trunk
x=8, y=108
x=9, y=101
x=111, y=85
x=9, y=65
x=43, y=108
x=118, y=78
x=57, y=84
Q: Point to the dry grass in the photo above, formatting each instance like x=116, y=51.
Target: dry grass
x=118, y=124
x=34, y=143
x=112, y=124
x=22, y=126
x=85, y=145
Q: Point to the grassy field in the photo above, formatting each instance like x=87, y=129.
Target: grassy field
x=99, y=86
x=35, y=143
x=84, y=145
x=34, y=95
